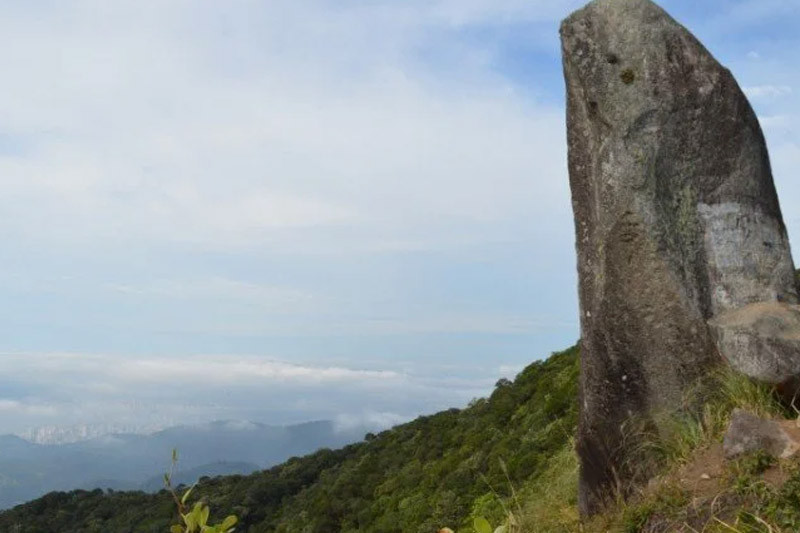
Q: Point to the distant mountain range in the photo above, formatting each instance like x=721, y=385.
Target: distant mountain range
x=130, y=461
x=81, y=432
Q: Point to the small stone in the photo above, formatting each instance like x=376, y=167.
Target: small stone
x=705, y=477
x=748, y=433
x=762, y=340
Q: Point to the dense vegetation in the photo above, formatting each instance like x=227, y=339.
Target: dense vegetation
x=444, y=469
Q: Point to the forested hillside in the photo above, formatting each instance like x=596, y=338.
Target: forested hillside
x=436, y=471
x=135, y=462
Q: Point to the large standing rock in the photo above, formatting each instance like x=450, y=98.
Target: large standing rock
x=677, y=223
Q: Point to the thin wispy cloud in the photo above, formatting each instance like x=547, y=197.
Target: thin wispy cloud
x=166, y=127
x=67, y=389
x=767, y=91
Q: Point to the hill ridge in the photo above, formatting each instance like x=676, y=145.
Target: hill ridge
x=438, y=470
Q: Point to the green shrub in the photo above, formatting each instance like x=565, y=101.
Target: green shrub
x=196, y=519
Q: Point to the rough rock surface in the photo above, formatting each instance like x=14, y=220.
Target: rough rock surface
x=761, y=340
x=677, y=222
x=748, y=433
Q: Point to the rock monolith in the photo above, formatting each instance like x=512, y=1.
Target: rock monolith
x=683, y=257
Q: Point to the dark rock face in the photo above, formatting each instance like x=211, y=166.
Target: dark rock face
x=677, y=222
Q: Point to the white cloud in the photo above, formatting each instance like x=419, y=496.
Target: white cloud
x=66, y=389
x=154, y=127
x=772, y=121
x=379, y=420
x=509, y=371
x=234, y=370
x=148, y=139
x=116, y=372
x=463, y=12
x=767, y=91
x=166, y=154
x=218, y=288
x=19, y=408
x=746, y=13
x=463, y=323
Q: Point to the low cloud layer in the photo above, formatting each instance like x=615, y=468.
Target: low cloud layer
x=70, y=389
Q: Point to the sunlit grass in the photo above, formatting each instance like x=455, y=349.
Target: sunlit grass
x=669, y=441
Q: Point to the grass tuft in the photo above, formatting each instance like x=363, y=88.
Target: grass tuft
x=662, y=444
x=551, y=502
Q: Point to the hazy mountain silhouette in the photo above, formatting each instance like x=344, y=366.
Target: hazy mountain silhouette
x=128, y=461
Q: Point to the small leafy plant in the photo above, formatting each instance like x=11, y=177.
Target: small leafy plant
x=196, y=519
x=481, y=525
x=510, y=509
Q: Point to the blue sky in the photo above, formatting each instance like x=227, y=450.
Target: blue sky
x=304, y=209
